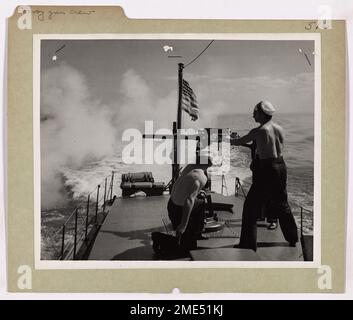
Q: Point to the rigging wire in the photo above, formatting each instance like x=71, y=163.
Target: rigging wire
x=62, y=47
x=192, y=61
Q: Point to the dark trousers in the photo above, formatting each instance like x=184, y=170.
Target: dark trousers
x=265, y=212
x=269, y=188
x=195, y=224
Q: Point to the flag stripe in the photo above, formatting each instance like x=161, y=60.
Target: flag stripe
x=189, y=102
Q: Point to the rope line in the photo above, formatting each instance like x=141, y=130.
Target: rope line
x=192, y=61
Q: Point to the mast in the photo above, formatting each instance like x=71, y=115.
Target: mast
x=177, y=125
x=180, y=95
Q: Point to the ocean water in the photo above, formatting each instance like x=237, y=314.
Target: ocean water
x=298, y=154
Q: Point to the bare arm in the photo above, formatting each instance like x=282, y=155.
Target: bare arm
x=245, y=139
x=281, y=136
x=189, y=204
x=250, y=146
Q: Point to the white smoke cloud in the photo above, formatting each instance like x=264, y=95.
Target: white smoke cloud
x=138, y=102
x=74, y=129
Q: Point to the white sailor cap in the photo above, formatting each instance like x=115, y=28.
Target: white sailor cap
x=267, y=107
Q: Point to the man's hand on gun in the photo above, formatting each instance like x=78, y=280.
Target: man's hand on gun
x=234, y=135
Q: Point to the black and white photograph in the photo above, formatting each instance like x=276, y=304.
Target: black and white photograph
x=179, y=149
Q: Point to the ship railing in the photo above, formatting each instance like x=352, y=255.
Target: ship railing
x=86, y=218
x=239, y=187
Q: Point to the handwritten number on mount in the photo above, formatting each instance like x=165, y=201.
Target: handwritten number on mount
x=310, y=25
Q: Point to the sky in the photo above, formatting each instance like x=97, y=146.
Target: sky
x=229, y=78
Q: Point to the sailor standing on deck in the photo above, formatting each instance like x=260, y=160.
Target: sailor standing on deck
x=270, y=182
x=185, y=209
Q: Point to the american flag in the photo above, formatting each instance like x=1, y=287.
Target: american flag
x=189, y=102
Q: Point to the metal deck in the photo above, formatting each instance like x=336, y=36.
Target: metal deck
x=126, y=234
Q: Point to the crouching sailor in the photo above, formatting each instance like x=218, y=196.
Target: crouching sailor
x=185, y=209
